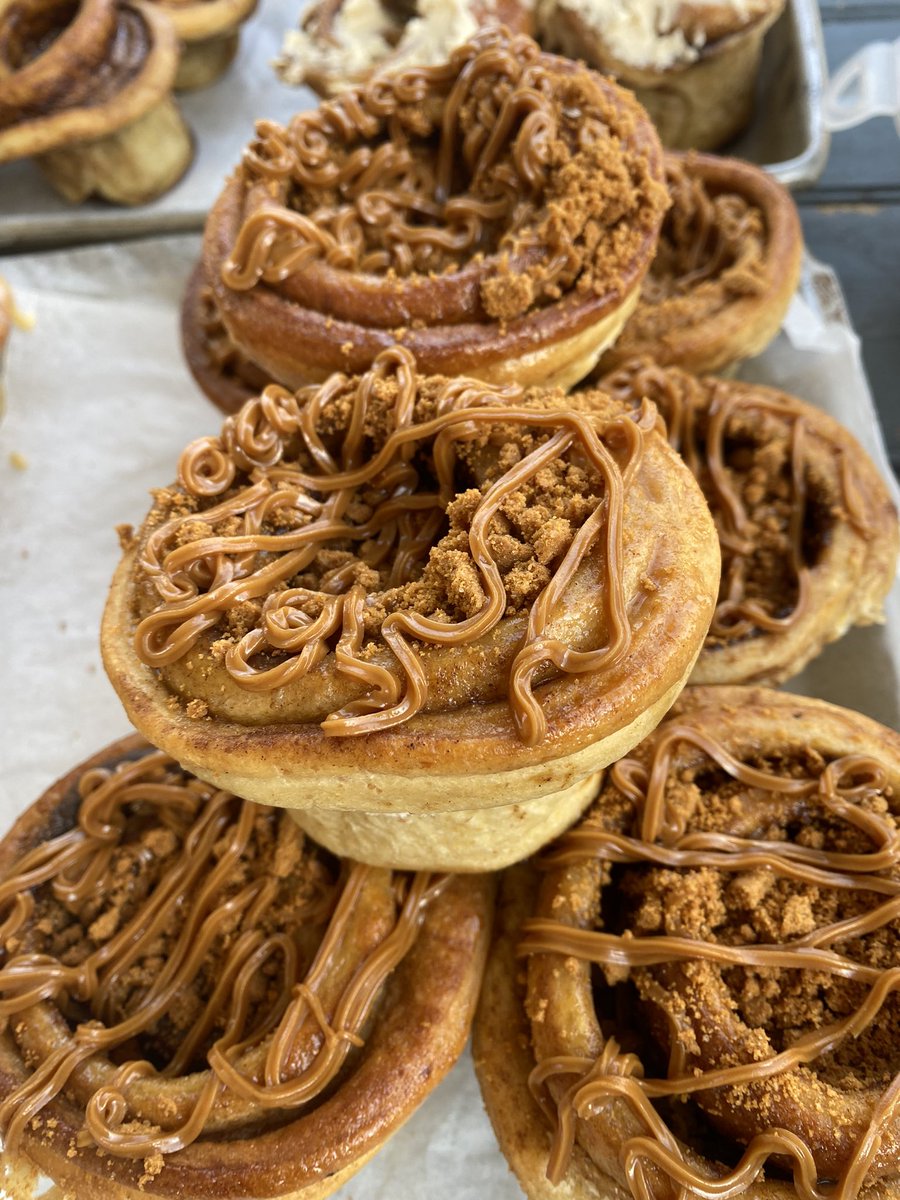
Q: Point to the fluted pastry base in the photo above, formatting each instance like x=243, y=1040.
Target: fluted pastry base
x=467, y=840
x=694, y=106
x=202, y=63
x=132, y=165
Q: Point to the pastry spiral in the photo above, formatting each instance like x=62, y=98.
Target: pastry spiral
x=209, y=34
x=198, y=1000
x=807, y=528
x=344, y=43
x=415, y=594
x=726, y=268
x=693, y=66
x=494, y=215
x=735, y=887
x=85, y=88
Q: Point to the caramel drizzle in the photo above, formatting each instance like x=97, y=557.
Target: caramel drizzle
x=665, y=840
x=404, y=205
x=705, y=238
x=200, y=579
x=684, y=401
x=255, y=1060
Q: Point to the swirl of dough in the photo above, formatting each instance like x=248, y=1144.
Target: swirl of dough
x=492, y=208
x=181, y=969
x=737, y=888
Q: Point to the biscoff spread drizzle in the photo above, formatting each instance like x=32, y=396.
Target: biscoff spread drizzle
x=712, y=251
x=707, y=866
x=371, y=518
x=518, y=176
x=751, y=452
x=181, y=921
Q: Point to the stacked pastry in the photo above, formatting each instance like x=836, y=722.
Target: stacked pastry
x=412, y=611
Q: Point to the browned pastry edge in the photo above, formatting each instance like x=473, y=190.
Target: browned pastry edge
x=421, y=1029
x=747, y=325
x=505, y=1025
x=856, y=566
x=86, y=122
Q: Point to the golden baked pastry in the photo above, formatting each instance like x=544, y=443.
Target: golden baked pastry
x=209, y=33
x=693, y=64
x=86, y=89
x=713, y=958
x=419, y=611
x=808, y=531
x=198, y=1001
x=343, y=43
x=495, y=215
x=727, y=266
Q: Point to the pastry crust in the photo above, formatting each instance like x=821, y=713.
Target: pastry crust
x=727, y=266
x=209, y=33
x=472, y=732
x=345, y=43
x=93, y=105
x=807, y=526
x=414, y=1035
x=697, y=79
x=522, y=266
x=706, y=866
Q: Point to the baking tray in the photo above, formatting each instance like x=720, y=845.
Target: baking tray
x=787, y=134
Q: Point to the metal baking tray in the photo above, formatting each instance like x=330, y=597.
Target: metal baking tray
x=787, y=134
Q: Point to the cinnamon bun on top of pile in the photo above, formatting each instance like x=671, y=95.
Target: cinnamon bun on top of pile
x=494, y=215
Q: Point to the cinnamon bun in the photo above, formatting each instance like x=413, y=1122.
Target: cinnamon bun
x=418, y=611
x=198, y=1000
x=209, y=34
x=494, y=215
x=693, y=64
x=713, y=960
x=726, y=268
x=343, y=43
x=85, y=88
x=807, y=528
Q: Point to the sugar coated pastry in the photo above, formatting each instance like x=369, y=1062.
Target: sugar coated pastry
x=726, y=268
x=693, y=64
x=418, y=611
x=199, y=1001
x=209, y=33
x=695, y=991
x=807, y=526
x=343, y=43
x=494, y=215
x=85, y=88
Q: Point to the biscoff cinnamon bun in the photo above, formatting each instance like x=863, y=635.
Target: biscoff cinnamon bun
x=343, y=43
x=418, y=611
x=808, y=531
x=209, y=34
x=726, y=268
x=693, y=64
x=85, y=88
x=713, y=959
x=198, y=1000
x=494, y=215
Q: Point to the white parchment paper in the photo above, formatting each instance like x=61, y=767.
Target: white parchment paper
x=99, y=405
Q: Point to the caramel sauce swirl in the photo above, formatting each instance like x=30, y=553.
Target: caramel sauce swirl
x=180, y=962
x=755, y=454
x=758, y=894
x=507, y=176
x=353, y=526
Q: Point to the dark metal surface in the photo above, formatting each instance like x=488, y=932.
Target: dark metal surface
x=851, y=218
